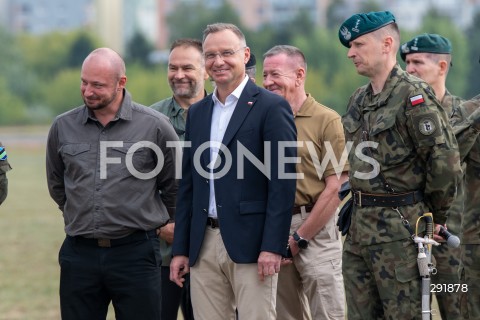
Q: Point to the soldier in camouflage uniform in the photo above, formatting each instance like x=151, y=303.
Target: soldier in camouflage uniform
x=411, y=167
x=4, y=167
x=428, y=57
x=466, y=125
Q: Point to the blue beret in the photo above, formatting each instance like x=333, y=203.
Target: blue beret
x=251, y=62
x=363, y=23
x=427, y=42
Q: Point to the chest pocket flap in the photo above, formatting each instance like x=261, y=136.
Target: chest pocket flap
x=75, y=148
x=383, y=121
x=351, y=120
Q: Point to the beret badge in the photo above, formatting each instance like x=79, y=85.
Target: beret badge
x=345, y=33
x=363, y=23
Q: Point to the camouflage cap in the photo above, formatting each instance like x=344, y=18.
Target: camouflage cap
x=363, y=23
x=426, y=42
x=251, y=62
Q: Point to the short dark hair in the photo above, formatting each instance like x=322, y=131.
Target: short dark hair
x=187, y=42
x=220, y=26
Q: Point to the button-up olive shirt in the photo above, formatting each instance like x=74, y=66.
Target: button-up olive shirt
x=105, y=186
x=320, y=131
x=176, y=114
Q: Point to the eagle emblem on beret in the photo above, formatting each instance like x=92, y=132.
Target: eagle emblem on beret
x=345, y=33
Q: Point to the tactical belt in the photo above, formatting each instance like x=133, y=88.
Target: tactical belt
x=362, y=199
x=298, y=209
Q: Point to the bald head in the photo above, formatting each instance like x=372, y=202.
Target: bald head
x=103, y=80
x=109, y=59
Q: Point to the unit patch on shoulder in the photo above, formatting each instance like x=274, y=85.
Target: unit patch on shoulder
x=427, y=126
x=415, y=100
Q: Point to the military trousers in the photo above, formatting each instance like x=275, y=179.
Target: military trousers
x=382, y=281
x=470, y=281
x=447, y=262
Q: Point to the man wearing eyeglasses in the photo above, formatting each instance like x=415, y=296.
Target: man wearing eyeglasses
x=186, y=76
x=233, y=213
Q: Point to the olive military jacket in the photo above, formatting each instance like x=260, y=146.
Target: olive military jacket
x=469, y=146
x=450, y=103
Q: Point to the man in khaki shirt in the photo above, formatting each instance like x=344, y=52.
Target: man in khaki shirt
x=311, y=285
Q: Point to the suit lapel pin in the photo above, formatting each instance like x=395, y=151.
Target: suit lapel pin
x=250, y=103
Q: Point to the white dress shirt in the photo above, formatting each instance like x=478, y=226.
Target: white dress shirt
x=222, y=113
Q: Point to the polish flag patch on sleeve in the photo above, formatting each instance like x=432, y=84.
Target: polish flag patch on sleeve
x=416, y=100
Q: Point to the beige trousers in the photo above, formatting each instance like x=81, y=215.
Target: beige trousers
x=312, y=287
x=218, y=285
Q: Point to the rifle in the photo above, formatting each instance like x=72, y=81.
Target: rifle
x=424, y=261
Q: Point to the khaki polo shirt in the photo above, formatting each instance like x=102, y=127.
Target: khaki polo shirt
x=320, y=133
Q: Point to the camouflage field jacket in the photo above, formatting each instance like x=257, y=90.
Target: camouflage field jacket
x=469, y=146
x=412, y=145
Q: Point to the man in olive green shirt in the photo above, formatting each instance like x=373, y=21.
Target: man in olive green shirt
x=186, y=76
x=4, y=167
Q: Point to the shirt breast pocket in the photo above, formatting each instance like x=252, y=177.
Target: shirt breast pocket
x=133, y=157
x=393, y=146
x=351, y=123
x=77, y=158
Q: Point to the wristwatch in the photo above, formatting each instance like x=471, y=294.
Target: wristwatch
x=302, y=243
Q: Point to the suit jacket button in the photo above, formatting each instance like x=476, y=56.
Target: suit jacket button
x=205, y=210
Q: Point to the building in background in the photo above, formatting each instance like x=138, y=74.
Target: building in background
x=43, y=16
x=108, y=23
x=116, y=21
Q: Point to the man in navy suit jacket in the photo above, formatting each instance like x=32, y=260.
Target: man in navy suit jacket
x=234, y=205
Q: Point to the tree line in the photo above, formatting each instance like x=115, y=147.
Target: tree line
x=40, y=75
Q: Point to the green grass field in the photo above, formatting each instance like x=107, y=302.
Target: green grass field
x=32, y=231
x=31, y=228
